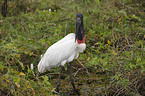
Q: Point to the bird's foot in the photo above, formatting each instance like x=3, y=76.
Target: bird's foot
x=77, y=91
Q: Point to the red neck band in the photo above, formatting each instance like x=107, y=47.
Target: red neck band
x=81, y=41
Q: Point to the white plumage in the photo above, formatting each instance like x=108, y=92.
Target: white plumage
x=65, y=50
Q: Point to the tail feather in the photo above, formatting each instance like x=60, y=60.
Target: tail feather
x=41, y=67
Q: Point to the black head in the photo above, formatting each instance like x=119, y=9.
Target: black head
x=80, y=28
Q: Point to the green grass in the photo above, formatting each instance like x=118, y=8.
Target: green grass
x=115, y=39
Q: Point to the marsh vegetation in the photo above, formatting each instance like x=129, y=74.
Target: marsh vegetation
x=114, y=59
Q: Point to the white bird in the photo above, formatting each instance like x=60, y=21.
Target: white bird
x=65, y=50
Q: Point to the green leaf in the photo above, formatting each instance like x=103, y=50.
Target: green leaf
x=21, y=64
x=122, y=12
x=98, y=2
x=21, y=73
x=135, y=17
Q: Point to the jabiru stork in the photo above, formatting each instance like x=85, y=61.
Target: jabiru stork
x=65, y=50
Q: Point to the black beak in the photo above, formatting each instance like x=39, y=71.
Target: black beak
x=78, y=23
x=79, y=28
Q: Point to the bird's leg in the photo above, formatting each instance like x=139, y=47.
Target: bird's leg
x=71, y=78
x=58, y=81
x=72, y=81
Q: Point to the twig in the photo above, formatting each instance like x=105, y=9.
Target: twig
x=83, y=66
x=13, y=87
x=119, y=91
x=113, y=36
x=9, y=94
x=123, y=49
x=131, y=89
x=44, y=37
x=136, y=85
x=139, y=85
x=78, y=71
x=8, y=64
x=128, y=42
x=74, y=67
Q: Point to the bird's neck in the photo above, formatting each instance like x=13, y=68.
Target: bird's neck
x=80, y=36
x=81, y=41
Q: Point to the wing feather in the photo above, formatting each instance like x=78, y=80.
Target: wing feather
x=59, y=53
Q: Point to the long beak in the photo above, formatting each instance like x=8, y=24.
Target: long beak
x=78, y=20
x=78, y=23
